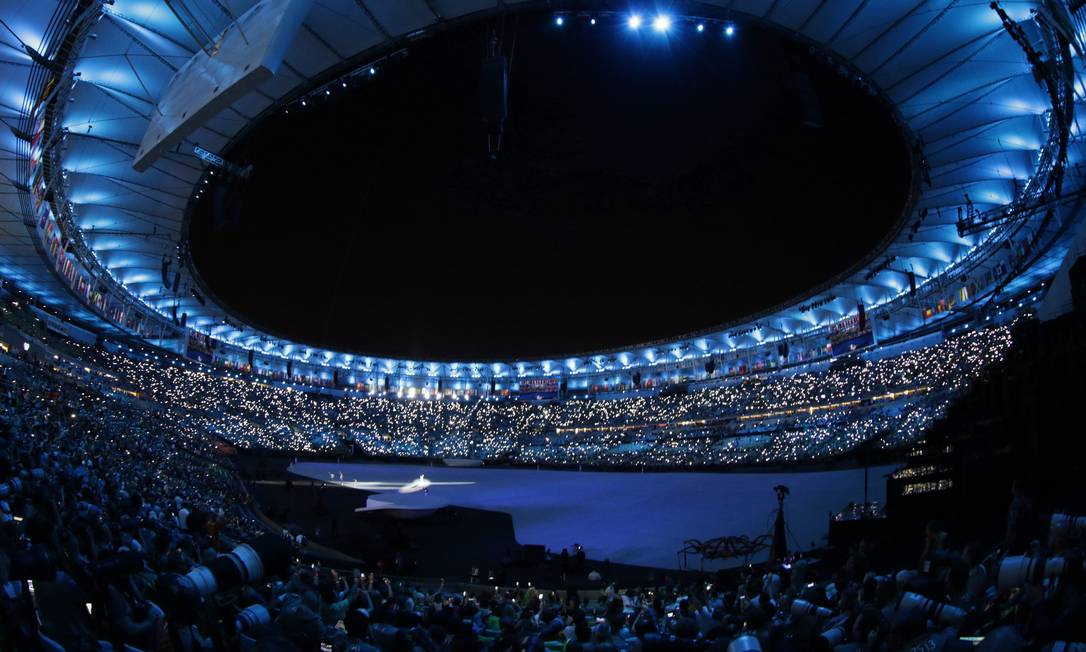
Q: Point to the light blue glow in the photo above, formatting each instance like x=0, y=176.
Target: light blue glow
x=635, y=21
x=729, y=30
x=559, y=21
x=701, y=27
x=661, y=23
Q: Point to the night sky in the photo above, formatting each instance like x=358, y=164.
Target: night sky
x=648, y=186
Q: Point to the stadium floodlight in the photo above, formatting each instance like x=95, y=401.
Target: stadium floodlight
x=559, y=21
x=701, y=27
x=661, y=23
x=729, y=30
x=592, y=21
x=634, y=21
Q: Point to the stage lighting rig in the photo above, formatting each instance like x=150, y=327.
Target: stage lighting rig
x=494, y=94
x=219, y=162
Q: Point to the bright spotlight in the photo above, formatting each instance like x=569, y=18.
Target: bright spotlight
x=701, y=27
x=559, y=21
x=635, y=21
x=661, y=23
x=729, y=30
x=592, y=22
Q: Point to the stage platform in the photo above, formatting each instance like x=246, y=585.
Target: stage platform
x=626, y=517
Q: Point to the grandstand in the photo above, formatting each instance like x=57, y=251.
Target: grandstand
x=151, y=494
x=801, y=416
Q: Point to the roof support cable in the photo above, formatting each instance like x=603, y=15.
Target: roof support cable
x=191, y=25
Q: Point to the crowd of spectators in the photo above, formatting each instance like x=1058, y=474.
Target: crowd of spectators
x=775, y=418
x=121, y=529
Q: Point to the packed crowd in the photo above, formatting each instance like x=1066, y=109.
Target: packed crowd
x=772, y=419
x=121, y=530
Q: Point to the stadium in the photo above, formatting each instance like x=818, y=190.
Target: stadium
x=522, y=325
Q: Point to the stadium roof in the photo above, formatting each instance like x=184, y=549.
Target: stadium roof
x=959, y=77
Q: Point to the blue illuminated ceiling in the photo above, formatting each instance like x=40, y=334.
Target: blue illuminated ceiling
x=961, y=84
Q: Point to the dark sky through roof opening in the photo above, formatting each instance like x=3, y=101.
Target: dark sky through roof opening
x=648, y=185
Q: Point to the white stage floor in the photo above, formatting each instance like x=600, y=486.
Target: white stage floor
x=631, y=518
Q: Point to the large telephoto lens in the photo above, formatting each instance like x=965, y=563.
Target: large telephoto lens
x=745, y=643
x=938, y=612
x=805, y=608
x=1020, y=571
x=1073, y=525
x=252, y=618
x=830, y=638
x=249, y=562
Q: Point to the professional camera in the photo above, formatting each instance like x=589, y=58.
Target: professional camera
x=745, y=643
x=1065, y=522
x=13, y=486
x=943, y=614
x=252, y=618
x=831, y=638
x=249, y=562
x=804, y=608
x=1019, y=571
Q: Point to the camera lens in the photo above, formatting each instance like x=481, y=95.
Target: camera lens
x=805, y=608
x=745, y=643
x=252, y=618
x=1019, y=571
x=830, y=638
x=1065, y=522
x=936, y=611
x=248, y=562
x=11, y=487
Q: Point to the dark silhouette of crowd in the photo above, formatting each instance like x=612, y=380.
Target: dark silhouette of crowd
x=123, y=530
